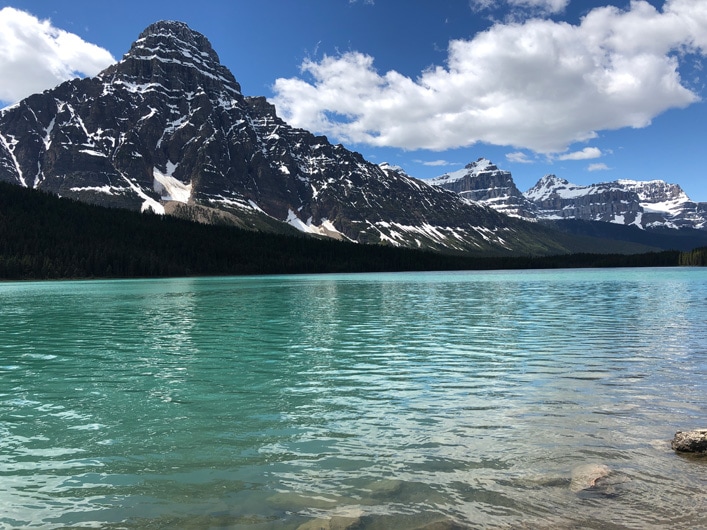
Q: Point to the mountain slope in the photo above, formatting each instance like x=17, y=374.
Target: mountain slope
x=43, y=236
x=168, y=129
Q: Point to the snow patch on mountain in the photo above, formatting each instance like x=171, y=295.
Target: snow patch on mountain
x=9, y=146
x=170, y=188
x=108, y=190
x=325, y=228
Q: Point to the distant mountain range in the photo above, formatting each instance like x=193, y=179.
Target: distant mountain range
x=651, y=204
x=167, y=129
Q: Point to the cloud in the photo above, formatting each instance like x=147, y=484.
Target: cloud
x=35, y=56
x=435, y=163
x=543, y=6
x=539, y=85
x=598, y=167
x=585, y=154
x=519, y=158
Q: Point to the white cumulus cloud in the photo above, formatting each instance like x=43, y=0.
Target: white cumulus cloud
x=598, y=167
x=585, y=154
x=435, y=163
x=518, y=157
x=34, y=55
x=539, y=84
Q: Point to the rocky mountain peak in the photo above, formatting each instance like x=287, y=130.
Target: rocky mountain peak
x=551, y=180
x=483, y=182
x=174, y=34
x=655, y=190
x=390, y=168
x=170, y=54
x=481, y=164
x=173, y=28
x=459, y=180
x=546, y=186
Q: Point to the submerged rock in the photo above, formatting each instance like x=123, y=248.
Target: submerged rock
x=441, y=524
x=386, y=488
x=694, y=441
x=587, y=476
x=332, y=523
x=343, y=519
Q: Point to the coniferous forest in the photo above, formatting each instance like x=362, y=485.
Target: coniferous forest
x=46, y=237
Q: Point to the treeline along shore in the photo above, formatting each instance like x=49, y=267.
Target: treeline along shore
x=45, y=237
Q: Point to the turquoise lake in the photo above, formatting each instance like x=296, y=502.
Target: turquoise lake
x=373, y=401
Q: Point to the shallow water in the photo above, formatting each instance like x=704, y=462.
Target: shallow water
x=397, y=400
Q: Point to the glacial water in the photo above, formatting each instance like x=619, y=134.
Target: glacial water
x=381, y=401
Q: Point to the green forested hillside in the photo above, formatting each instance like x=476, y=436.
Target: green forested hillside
x=43, y=236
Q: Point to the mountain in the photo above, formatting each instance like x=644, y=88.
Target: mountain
x=647, y=204
x=168, y=129
x=556, y=198
x=482, y=181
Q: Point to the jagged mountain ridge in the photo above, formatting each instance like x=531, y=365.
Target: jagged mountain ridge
x=645, y=204
x=168, y=129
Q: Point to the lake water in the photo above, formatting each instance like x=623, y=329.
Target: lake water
x=435, y=400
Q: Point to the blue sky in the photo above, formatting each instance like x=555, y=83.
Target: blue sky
x=590, y=90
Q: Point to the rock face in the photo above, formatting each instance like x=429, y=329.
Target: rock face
x=556, y=198
x=649, y=204
x=168, y=126
x=694, y=441
x=667, y=205
x=482, y=181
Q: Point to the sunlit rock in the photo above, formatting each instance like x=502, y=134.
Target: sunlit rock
x=694, y=441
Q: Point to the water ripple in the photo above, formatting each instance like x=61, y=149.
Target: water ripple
x=401, y=399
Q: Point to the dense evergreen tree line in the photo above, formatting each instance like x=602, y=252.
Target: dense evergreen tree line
x=694, y=258
x=684, y=239
x=43, y=236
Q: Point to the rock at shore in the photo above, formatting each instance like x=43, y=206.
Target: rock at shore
x=694, y=441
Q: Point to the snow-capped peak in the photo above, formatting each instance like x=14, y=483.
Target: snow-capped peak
x=474, y=169
x=169, y=47
x=483, y=182
x=385, y=166
x=548, y=185
x=655, y=190
x=481, y=164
